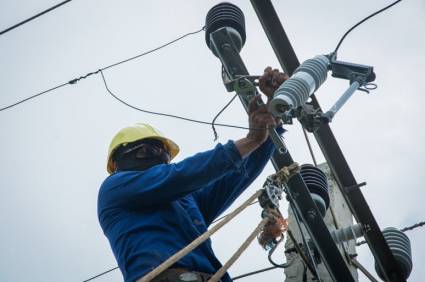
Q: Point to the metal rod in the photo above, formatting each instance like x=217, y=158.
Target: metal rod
x=357, y=264
x=342, y=100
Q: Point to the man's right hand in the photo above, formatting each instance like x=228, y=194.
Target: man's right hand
x=260, y=119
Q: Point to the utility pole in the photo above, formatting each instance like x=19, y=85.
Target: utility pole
x=337, y=216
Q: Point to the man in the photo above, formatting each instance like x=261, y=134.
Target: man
x=149, y=209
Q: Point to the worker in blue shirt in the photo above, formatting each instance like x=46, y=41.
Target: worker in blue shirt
x=150, y=208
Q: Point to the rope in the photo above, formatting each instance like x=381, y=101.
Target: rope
x=195, y=243
x=216, y=277
x=286, y=172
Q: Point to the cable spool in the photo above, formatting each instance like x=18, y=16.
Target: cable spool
x=317, y=185
x=294, y=92
x=399, y=244
x=226, y=15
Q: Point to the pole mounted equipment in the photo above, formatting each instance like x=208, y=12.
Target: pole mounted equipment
x=317, y=185
x=222, y=45
x=400, y=246
x=229, y=16
x=329, y=146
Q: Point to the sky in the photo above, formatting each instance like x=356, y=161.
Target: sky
x=54, y=147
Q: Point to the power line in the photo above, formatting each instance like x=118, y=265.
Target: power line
x=419, y=224
x=75, y=80
x=34, y=96
x=408, y=228
x=362, y=21
x=153, y=50
x=34, y=17
x=164, y=114
x=254, y=272
x=100, y=274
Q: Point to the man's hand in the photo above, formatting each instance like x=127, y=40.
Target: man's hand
x=270, y=81
x=259, y=120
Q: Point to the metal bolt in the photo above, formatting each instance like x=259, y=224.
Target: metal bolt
x=311, y=214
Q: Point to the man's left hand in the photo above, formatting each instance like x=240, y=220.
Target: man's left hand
x=271, y=80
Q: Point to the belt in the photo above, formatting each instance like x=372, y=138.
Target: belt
x=182, y=275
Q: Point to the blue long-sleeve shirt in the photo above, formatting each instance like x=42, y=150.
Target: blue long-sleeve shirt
x=149, y=215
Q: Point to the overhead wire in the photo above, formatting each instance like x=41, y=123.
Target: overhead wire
x=100, y=70
x=362, y=21
x=34, y=17
x=404, y=229
x=34, y=96
x=164, y=114
x=101, y=274
x=75, y=80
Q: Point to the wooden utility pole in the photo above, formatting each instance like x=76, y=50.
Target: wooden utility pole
x=338, y=215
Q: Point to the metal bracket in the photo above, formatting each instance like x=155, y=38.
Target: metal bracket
x=272, y=193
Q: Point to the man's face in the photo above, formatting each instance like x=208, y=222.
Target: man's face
x=150, y=149
x=143, y=155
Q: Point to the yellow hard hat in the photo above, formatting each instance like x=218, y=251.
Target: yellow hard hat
x=138, y=132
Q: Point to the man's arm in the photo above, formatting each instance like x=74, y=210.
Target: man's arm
x=168, y=182
x=220, y=194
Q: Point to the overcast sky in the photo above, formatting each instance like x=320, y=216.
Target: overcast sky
x=54, y=148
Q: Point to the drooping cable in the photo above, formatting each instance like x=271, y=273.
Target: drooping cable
x=34, y=17
x=163, y=114
x=362, y=21
x=75, y=80
x=218, y=114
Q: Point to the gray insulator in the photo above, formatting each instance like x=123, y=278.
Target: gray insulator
x=399, y=244
x=294, y=92
x=226, y=15
x=347, y=233
x=320, y=203
x=317, y=68
x=317, y=185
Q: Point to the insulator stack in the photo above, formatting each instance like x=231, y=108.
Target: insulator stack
x=294, y=92
x=226, y=15
x=399, y=244
x=317, y=184
x=347, y=233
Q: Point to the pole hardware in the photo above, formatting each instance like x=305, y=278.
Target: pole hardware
x=220, y=41
x=334, y=156
x=291, y=98
x=355, y=187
